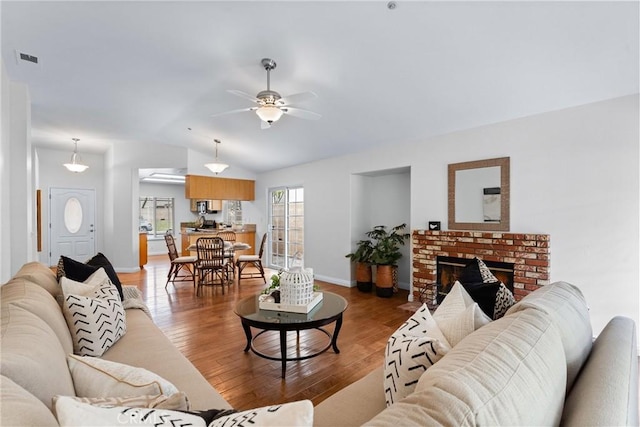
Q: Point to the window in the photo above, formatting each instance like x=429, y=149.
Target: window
x=286, y=239
x=156, y=215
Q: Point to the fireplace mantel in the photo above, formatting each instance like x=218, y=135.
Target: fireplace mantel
x=528, y=252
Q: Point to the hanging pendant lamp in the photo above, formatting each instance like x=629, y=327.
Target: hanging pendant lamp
x=217, y=167
x=76, y=165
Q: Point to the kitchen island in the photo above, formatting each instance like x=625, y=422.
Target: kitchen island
x=246, y=234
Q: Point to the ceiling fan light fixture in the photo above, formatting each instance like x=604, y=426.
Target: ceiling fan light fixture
x=269, y=113
x=216, y=167
x=76, y=165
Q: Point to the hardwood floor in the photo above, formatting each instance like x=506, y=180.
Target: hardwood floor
x=209, y=334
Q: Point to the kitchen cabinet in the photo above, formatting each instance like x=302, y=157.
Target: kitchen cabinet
x=210, y=188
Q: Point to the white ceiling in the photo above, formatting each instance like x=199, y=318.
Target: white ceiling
x=144, y=72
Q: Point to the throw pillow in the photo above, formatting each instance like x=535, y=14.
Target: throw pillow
x=491, y=295
x=298, y=414
x=504, y=301
x=411, y=350
x=456, y=301
x=459, y=326
x=78, y=271
x=70, y=412
x=99, y=260
x=476, y=271
x=96, y=319
x=175, y=402
x=95, y=377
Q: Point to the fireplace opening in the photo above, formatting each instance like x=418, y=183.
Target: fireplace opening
x=448, y=271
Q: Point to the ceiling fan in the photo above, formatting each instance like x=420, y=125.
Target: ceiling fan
x=271, y=106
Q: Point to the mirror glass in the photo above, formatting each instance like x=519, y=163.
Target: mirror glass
x=479, y=195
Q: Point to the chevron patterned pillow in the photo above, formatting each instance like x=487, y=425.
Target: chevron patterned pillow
x=411, y=350
x=94, y=314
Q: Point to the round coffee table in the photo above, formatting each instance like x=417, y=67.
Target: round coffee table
x=329, y=310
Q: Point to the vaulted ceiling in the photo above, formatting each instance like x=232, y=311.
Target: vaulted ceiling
x=156, y=71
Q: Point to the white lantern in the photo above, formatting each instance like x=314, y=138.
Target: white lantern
x=296, y=286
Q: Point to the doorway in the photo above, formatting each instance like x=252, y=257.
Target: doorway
x=286, y=230
x=72, y=224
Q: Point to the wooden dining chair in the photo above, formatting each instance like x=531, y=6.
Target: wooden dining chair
x=178, y=264
x=211, y=264
x=254, y=260
x=229, y=252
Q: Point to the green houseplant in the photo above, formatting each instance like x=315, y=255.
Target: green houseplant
x=385, y=255
x=362, y=258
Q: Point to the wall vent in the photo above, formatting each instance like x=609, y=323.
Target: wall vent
x=29, y=58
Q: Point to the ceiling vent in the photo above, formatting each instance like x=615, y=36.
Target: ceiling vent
x=22, y=57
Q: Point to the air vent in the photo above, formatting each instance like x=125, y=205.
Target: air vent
x=21, y=56
x=29, y=58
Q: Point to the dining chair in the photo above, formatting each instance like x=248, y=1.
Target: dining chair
x=211, y=264
x=229, y=252
x=254, y=260
x=178, y=263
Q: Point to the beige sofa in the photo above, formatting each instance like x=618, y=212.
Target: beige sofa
x=35, y=342
x=537, y=365
x=534, y=366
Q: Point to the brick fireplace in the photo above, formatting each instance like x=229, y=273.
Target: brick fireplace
x=529, y=254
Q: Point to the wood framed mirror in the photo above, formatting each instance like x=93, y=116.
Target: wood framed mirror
x=479, y=195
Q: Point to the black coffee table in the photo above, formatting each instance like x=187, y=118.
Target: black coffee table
x=329, y=310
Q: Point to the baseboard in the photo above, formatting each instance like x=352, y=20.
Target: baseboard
x=334, y=281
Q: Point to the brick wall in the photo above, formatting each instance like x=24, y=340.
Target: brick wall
x=528, y=252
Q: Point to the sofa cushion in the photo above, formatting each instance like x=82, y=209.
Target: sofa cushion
x=411, y=349
x=565, y=305
x=510, y=372
x=175, y=402
x=41, y=275
x=354, y=404
x=94, y=377
x=18, y=407
x=142, y=344
x=94, y=314
x=32, y=355
x=36, y=300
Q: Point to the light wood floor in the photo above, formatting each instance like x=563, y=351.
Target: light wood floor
x=209, y=334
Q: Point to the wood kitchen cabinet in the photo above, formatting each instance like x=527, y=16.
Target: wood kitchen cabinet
x=143, y=249
x=209, y=188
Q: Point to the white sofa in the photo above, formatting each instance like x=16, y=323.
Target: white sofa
x=537, y=365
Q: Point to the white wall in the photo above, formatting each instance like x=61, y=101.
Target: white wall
x=574, y=175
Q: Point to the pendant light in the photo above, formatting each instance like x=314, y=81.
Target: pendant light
x=217, y=167
x=76, y=165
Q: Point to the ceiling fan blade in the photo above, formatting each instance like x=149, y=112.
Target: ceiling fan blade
x=303, y=114
x=296, y=98
x=240, y=110
x=264, y=125
x=244, y=95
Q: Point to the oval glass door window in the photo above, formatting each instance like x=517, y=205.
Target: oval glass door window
x=73, y=215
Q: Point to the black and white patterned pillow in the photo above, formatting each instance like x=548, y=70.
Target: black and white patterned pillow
x=411, y=350
x=504, y=301
x=95, y=317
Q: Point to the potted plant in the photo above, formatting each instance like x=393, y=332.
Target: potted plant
x=385, y=255
x=362, y=258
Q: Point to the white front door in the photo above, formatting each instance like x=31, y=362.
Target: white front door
x=72, y=224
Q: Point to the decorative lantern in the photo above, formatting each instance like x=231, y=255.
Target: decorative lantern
x=296, y=286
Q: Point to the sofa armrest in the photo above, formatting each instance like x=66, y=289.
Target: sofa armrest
x=606, y=391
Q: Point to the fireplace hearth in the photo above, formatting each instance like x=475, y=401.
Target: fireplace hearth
x=529, y=255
